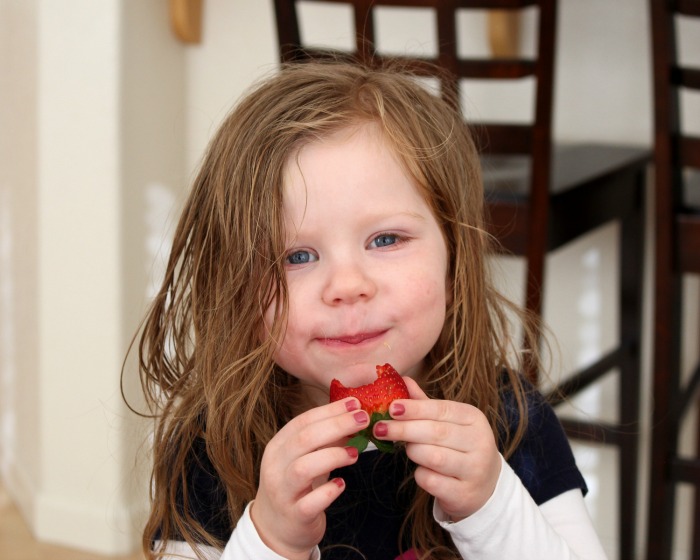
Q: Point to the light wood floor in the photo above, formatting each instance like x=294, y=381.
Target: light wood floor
x=17, y=542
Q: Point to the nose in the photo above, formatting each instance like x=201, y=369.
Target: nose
x=347, y=283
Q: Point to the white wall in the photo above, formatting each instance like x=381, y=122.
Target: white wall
x=104, y=116
x=92, y=126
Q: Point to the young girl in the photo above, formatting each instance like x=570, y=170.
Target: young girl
x=335, y=225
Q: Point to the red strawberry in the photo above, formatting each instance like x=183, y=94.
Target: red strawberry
x=374, y=398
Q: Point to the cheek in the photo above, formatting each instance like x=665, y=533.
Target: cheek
x=437, y=299
x=437, y=302
x=437, y=285
x=426, y=299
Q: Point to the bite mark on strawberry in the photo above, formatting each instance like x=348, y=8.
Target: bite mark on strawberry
x=375, y=399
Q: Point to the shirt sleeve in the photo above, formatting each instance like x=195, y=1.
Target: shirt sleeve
x=244, y=544
x=543, y=459
x=512, y=525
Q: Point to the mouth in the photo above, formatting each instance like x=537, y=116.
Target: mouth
x=352, y=339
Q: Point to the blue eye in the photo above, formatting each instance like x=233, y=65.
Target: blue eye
x=384, y=240
x=300, y=257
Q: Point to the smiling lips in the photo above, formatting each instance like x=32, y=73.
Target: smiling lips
x=352, y=339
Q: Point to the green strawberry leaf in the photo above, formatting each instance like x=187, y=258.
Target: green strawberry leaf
x=384, y=446
x=360, y=442
x=377, y=416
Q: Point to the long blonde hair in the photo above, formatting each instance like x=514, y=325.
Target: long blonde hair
x=206, y=371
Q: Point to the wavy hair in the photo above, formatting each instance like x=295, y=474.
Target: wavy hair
x=206, y=371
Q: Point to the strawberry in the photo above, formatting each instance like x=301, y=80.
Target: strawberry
x=375, y=399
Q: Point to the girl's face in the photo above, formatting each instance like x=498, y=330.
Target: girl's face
x=366, y=264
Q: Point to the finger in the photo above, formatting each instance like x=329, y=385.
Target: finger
x=397, y=407
x=442, y=460
x=434, y=483
x=288, y=483
x=414, y=389
x=330, y=431
x=426, y=432
x=452, y=495
x=437, y=410
x=319, y=413
x=309, y=469
x=317, y=501
x=457, y=498
x=314, y=430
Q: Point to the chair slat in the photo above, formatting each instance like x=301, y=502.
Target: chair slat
x=687, y=470
x=688, y=243
x=689, y=151
x=495, y=4
x=495, y=69
x=685, y=77
x=508, y=139
x=688, y=7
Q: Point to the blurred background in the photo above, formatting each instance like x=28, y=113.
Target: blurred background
x=104, y=115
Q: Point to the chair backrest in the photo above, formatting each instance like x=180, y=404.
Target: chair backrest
x=531, y=138
x=677, y=149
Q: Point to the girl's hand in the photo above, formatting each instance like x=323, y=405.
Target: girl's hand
x=294, y=490
x=453, y=446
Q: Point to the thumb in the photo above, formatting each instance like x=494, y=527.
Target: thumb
x=414, y=390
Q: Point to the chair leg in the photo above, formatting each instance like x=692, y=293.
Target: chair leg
x=662, y=498
x=630, y=335
x=665, y=426
x=696, y=512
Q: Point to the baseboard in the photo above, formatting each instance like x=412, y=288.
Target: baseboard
x=107, y=530
x=21, y=491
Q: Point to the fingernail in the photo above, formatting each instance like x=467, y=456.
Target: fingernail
x=352, y=452
x=352, y=405
x=339, y=482
x=381, y=429
x=397, y=409
x=361, y=417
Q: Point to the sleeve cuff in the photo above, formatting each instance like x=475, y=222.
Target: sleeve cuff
x=481, y=521
x=245, y=543
x=511, y=525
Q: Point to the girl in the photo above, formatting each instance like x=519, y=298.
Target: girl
x=336, y=224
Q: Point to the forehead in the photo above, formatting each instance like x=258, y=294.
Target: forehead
x=367, y=139
x=362, y=149
x=353, y=167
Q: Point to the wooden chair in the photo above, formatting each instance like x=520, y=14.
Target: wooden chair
x=540, y=196
x=677, y=189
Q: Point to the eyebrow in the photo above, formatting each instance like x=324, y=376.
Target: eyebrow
x=415, y=215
